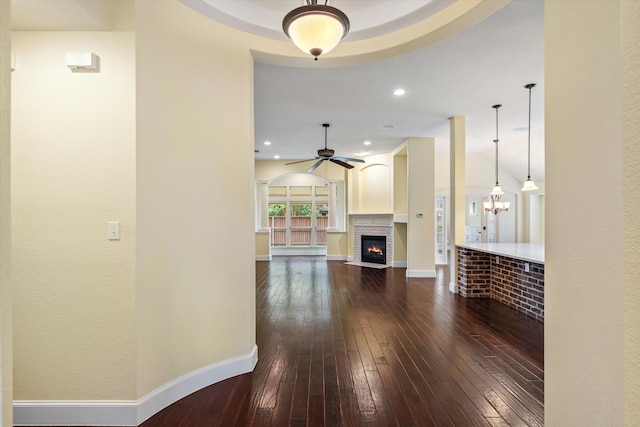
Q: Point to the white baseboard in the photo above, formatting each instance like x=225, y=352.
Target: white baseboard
x=263, y=257
x=421, y=273
x=336, y=258
x=399, y=264
x=299, y=251
x=453, y=287
x=351, y=258
x=128, y=412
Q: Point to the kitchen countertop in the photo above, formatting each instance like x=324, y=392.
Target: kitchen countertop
x=524, y=251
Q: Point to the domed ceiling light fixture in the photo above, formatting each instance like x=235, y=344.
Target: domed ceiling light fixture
x=529, y=184
x=496, y=205
x=316, y=28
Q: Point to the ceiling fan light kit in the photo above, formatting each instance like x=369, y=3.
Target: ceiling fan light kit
x=315, y=28
x=328, y=154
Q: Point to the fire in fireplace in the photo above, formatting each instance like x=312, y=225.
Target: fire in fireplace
x=374, y=249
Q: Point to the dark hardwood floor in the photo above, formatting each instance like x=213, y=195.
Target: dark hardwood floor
x=343, y=345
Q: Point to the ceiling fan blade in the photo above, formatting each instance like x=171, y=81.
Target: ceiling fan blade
x=341, y=163
x=348, y=159
x=299, y=161
x=315, y=165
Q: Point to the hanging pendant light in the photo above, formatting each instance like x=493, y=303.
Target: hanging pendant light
x=495, y=204
x=529, y=184
x=315, y=28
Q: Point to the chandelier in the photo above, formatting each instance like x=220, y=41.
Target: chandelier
x=495, y=204
x=316, y=28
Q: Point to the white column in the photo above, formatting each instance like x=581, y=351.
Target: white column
x=457, y=204
x=264, y=206
x=333, y=203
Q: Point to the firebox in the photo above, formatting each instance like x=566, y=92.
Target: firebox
x=374, y=249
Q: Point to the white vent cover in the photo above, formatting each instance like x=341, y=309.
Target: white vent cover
x=82, y=61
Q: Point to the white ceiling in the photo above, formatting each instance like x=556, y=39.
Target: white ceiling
x=463, y=75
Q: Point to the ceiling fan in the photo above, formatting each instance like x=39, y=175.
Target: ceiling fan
x=327, y=154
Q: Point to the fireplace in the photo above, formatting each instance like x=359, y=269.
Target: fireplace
x=374, y=249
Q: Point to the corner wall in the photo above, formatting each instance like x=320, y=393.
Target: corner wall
x=591, y=294
x=6, y=335
x=195, y=295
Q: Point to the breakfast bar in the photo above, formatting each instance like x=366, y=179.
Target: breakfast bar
x=512, y=273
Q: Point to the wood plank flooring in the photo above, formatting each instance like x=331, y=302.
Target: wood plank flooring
x=344, y=345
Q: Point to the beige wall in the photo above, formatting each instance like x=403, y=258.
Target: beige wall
x=400, y=186
x=400, y=242
x=592, y=246
x=145, y=142
x=374, y=180
x=73, y=170
x=262, y=245
x=421, y=201
x=195, y=213
x=6, y=335
x=630, y=48
x=337, y=245
x=266, y=170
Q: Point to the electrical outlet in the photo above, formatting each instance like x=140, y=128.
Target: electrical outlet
x=497, y=259
x=526, y=267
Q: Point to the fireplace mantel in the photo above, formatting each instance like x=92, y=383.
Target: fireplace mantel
x=379, y=219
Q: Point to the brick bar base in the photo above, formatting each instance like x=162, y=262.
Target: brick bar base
x=480, y=275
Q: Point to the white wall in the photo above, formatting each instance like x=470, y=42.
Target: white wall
x=536, y=215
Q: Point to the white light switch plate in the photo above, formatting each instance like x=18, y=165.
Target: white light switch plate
x=113, y=228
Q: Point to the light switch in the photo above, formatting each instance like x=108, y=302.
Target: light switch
x=113, y=228
x=526, y=267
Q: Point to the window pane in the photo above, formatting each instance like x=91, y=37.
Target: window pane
x=278, y=224
x=322, y=209
x=301, y=209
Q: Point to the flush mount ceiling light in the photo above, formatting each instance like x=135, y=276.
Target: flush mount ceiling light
x=496, y=205
x=529, y=184
x=316, y=28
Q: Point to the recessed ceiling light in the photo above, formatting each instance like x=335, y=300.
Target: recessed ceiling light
x=398, y=92
x=267, y=143
x=276, y=157
x=387, y=126
x=367, y=143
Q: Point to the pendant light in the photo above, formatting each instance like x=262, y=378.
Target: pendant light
x=316, y=28
x=529, y=184
x=495, y=204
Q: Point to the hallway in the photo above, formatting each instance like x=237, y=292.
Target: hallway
x=342, y=345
